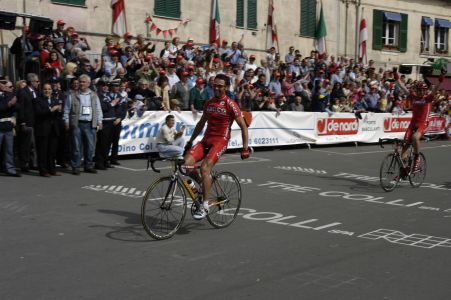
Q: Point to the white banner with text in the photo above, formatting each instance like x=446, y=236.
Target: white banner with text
x=277, y=129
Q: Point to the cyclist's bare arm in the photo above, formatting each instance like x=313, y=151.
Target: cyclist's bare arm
x=199, y=126
x=244, y=133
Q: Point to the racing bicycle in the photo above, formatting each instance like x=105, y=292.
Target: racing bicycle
x=393, y=168
x=164, y=204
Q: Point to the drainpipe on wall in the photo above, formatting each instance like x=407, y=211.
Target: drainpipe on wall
x=346, y=27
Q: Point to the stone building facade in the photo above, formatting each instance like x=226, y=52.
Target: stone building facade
x=399, y=31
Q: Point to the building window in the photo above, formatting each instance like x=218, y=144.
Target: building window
x=308, y=18
x=441, y=36
x=70, y=2
x=167, y=8
x=390, y=34
x=249, y=20
x=389, y=31
x=425, y=26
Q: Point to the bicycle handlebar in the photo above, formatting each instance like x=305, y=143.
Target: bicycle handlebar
x=151, y=162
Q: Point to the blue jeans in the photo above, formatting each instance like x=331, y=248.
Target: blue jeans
x=172, y=150
x=84, y=143
x=7, y=139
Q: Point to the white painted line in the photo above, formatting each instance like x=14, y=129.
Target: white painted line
x=378, y=151
x=252, y=159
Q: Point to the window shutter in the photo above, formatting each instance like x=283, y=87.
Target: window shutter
x=378, y=22
x=71, y=2
x=240, y=13
x=167, y=8
x=160, y=8
x=403, y=33
x=252, y=14
x=173, y=8
x=308, y=18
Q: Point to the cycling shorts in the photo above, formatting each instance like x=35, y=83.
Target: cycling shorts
x=415, y=127
x=209, y=147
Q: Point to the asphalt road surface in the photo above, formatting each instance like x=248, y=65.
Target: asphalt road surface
x=314, y=224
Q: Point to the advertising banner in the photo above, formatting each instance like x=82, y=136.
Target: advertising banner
x=277, y=129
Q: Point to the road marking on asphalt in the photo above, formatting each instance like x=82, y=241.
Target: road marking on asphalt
x=13, y=206
x=392, y=236
x=374, y=179
x=414, y=240
x=252, y=159
x=376, y=151
x=301, y=169
x=350, y=196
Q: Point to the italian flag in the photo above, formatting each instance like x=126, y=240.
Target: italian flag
x=214, y=26
x=119, y=24
x=321, y=32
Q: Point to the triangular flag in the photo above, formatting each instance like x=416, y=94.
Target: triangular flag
x=148, y=19
x=158, y=31
x=165, y=33
x=152, y=27
x=172, y=32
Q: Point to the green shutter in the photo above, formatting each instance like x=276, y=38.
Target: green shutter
x=252, y=14
x=308, y=18
x=240, y=13
x=167, y=8
x=378, y=23
x=71, y=2
x=403, y=33
x=160, y=8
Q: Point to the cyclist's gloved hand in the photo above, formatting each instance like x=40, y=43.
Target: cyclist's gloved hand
x=245, y=153
x=188, y=147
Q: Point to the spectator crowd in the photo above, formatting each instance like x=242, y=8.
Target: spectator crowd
x=68, y=106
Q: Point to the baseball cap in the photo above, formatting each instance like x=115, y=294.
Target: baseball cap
x=74, y=34
x=59, y=41
x=162, y=72
x=127, y=34
x=252, y=56
x=189, y=44
x=200, y=81
x=184, y=73
x=216, y=59
x=60, y=22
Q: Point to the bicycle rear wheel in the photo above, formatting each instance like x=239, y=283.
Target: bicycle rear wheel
x=416, y=178
x=224, y=199
x=163, y=208
x=389, y=174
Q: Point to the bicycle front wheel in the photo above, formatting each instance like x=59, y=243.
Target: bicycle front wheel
x=416, y=178
x=224, y=199
x=163, y=208
x=389, y=174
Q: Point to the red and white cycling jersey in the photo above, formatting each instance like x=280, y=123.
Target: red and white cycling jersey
x=421, y=107
x=220, y=115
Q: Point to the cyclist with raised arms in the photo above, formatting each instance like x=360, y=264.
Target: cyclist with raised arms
x=422, y=101
x=219, y=113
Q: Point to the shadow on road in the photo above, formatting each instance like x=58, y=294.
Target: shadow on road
x=135, y=232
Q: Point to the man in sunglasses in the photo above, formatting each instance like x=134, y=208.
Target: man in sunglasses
x=219, y=113
x=8, y=103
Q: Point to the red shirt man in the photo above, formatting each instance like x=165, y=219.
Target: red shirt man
x=219, y=114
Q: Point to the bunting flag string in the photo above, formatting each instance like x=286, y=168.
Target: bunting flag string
x=171, y=31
